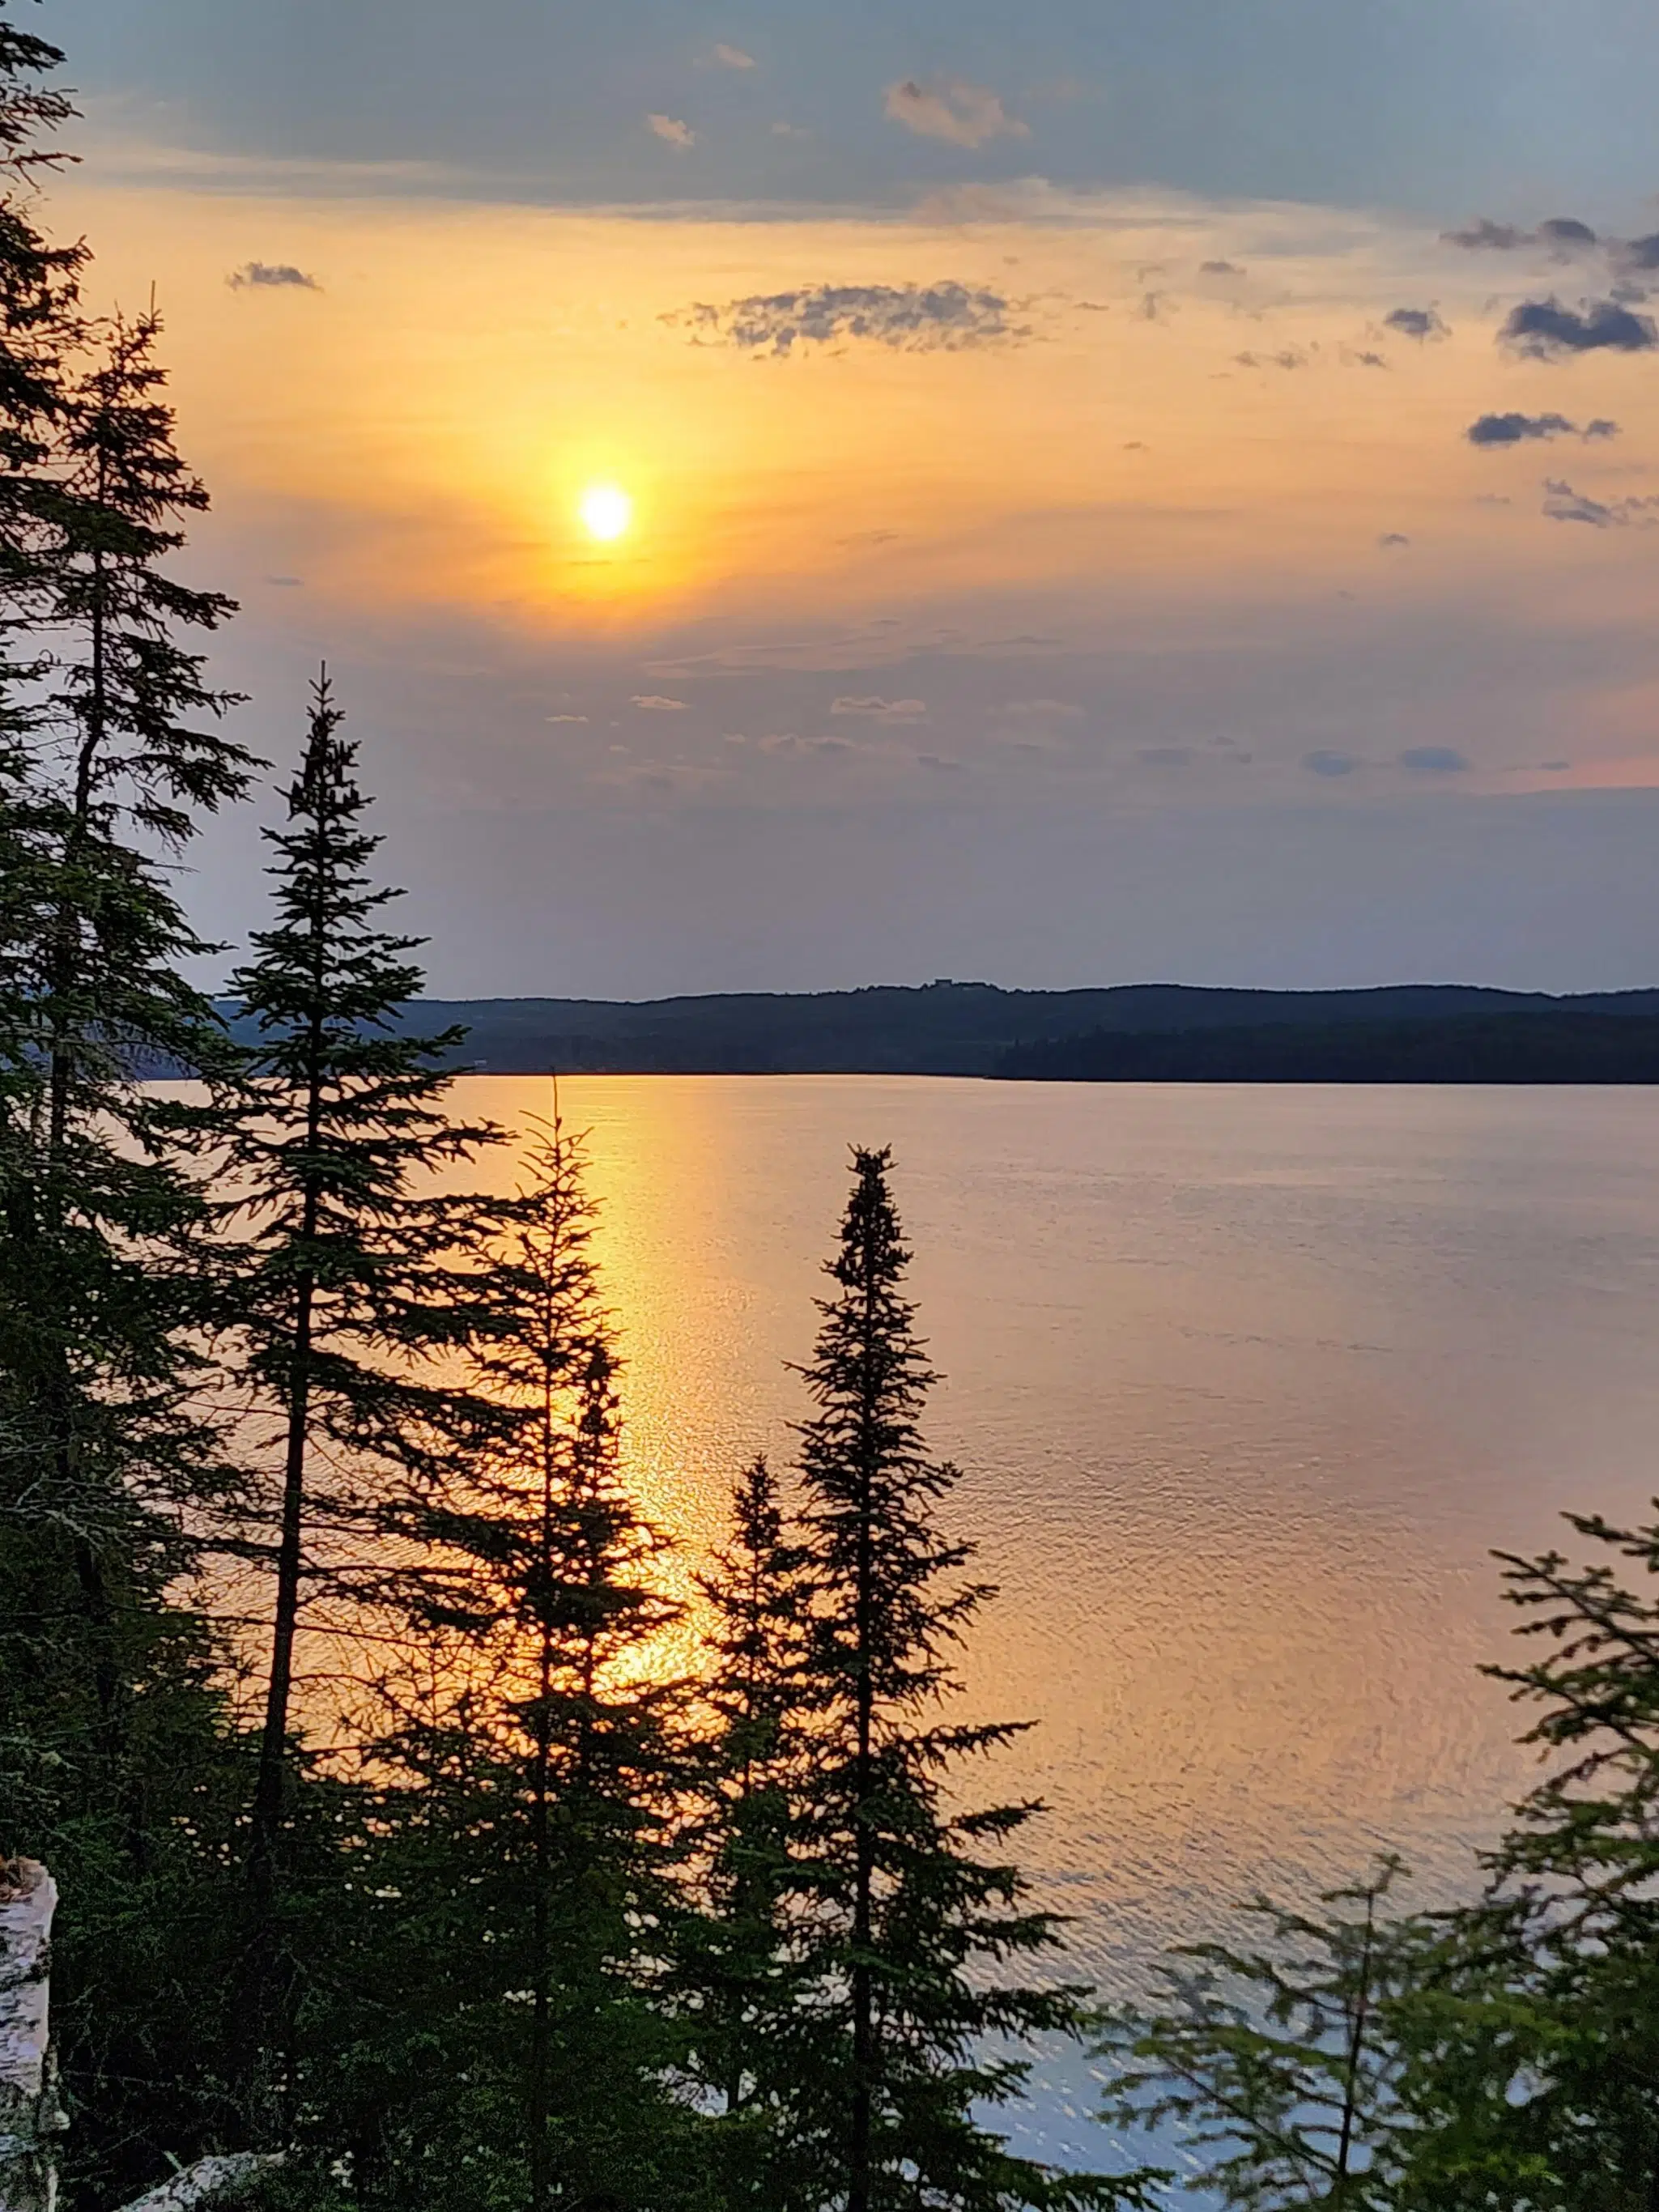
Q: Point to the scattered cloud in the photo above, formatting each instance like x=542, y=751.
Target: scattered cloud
x=1354, y=359
x=949, y=108
x=671, y=131
x=1166, y=756
x=285, y=583
x=733, y=57
x=1544, y=330
x=1391, y=538
x=1563, y=504
x=790, y=131
x=271, y=276
x=1638, y=253
x=1485, y=236
x=1221, y=269
x=910, y=318
x=1044, y=709
x=877, y=709
x=1517, y=430
x=1561, y=235
x=566, y=718
x=1433, y=760
x=1288, y=357
x=1419, y=323
x=1564, y=234
x=1325, y=762
x=939, y=763
x=653, y=702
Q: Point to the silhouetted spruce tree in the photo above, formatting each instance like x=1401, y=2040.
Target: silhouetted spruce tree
x=542, y=1749
x=97, y=1300
x=351, y=1290
x=907, y=2002
x=740, y=1966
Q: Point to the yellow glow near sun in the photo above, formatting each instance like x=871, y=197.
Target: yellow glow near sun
x=606, y=510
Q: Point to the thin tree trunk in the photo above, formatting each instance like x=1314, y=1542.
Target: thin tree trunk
x=62, y=967
x=269, y=1791
x=1356, y=2049
x=273, y=1741
x=859, y=2177
x=541, y=2176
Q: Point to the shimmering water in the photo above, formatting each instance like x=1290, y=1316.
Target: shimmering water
x=1244, y=1383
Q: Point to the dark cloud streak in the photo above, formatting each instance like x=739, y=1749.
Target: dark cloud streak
x=910, y=318
x=1544, y=330
x=1516, y=429
x=271, y=275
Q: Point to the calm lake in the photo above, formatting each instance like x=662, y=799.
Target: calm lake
x=1245, y=1384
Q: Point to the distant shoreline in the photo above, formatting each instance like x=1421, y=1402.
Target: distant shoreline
x=1143, y=1032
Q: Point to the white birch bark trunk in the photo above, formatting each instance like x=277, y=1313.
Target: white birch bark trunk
x=30, y=2113
x=211, y=2176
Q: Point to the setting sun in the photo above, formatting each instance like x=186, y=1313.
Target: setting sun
x=606, y=510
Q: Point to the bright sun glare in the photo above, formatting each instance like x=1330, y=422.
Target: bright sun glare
x=606, y=510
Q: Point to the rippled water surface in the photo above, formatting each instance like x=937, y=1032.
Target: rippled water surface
x=1244, y=1383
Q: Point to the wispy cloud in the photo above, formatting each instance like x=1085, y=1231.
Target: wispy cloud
x=1563, y=504
x=671, y=131
x=1518, y=430
x=653, y=702
x=1561, y=235
x=877, y=709
x=949, y=108
x=1544, y=330
x=910, y=318
x=272, y=277
x=1433, y=760
x=733, y=57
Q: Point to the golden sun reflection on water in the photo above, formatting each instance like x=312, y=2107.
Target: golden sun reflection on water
x=1242, y=1387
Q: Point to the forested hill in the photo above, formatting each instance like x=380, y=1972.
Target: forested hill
x=1552, y=1048
x=940, y=1029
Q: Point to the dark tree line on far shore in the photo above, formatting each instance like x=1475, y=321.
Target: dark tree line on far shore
x=338, y=1674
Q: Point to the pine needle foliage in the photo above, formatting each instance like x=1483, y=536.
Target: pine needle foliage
x=1530, y=2048
x=1277, y=2064
x=917, y=1928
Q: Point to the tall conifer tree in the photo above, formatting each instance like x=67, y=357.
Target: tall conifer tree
x=350, y=1288
x=547, y=1751
x=913, y=1916
x=740, y=1966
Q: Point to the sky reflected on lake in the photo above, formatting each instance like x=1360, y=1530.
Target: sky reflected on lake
x=1244, y=1385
